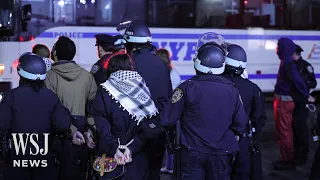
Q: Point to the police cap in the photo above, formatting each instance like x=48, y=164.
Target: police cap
x=298, y=49
x=104, y=40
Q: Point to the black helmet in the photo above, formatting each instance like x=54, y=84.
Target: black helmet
x=135, y=32
x=32, y=67
x=236, y=60
x=210, y=60
x=119, y=42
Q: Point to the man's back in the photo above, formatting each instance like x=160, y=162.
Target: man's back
x=156, y=74
x=212, y=114
x=73, y=85
x=252, y=97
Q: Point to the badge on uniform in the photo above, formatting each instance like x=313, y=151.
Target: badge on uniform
x=310, y=69
x=94, y=69
x=177, y=95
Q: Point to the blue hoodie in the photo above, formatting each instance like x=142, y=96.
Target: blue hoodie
x=289, y=79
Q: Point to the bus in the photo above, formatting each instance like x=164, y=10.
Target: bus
x=175, y=25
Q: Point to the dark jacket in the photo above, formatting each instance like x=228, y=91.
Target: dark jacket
x=98, y=71
x=211, y=113
x=24, y=110
x=307, y=72
x=289, y=77
x=156, y=74
x=253, y=100
x=112, y=122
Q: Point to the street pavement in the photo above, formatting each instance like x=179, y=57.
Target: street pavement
x=270, y=152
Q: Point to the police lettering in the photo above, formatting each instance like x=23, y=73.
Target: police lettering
x=68, y=34
x=178, y=49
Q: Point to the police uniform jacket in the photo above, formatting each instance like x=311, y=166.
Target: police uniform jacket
x=211, y=114
x=307, y=72
x=253, y=100
x=25, y=111
x=156, y=74
x=112, y=122
x=98, y=70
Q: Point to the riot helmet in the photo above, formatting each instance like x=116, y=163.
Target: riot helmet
x=31, y=67
x=209, y=60
x=135, y=32
x=236, y=60
x=212, y=39
x=119, y=43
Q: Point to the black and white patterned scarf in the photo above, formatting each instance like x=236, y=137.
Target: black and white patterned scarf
x=130, y=90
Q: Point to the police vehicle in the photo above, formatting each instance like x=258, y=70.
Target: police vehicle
x=26, y=23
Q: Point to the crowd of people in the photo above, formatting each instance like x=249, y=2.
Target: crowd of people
x=120, y=119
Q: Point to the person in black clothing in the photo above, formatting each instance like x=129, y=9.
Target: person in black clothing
x=301, y=113
x=157, y=76
x=104, y=45
x=32, y=108
x=117, y=111
x=248, y=165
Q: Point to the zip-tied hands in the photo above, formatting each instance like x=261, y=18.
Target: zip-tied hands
x=78, y=139
x=125, y=157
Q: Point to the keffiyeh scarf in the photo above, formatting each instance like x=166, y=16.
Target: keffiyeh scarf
x=130, y=90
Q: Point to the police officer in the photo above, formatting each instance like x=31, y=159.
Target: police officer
x=104, y=43
x=246, y=167
x=31, y=108
x=301, y=113
x=211, y=113
x=157, y=76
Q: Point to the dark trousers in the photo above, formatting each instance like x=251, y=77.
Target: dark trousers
x=156, y=149
x=256, y=164
x=300, y=130
x=241, y=167
x=73, y=161
x=40, y=173
x=315, y=169
x=137, y=169
x=201, y=166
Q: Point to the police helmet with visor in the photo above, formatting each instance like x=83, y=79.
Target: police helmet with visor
x=119, y=42
x=236, y=60
x=31, y=67
x=135, y=32
x=212, y=39
x=209, y=60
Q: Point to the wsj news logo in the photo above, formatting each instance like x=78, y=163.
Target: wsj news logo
x=21, y=144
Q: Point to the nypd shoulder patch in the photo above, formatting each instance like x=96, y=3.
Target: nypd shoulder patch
x=310, y=69
x=94, y=69
x=177, y=95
